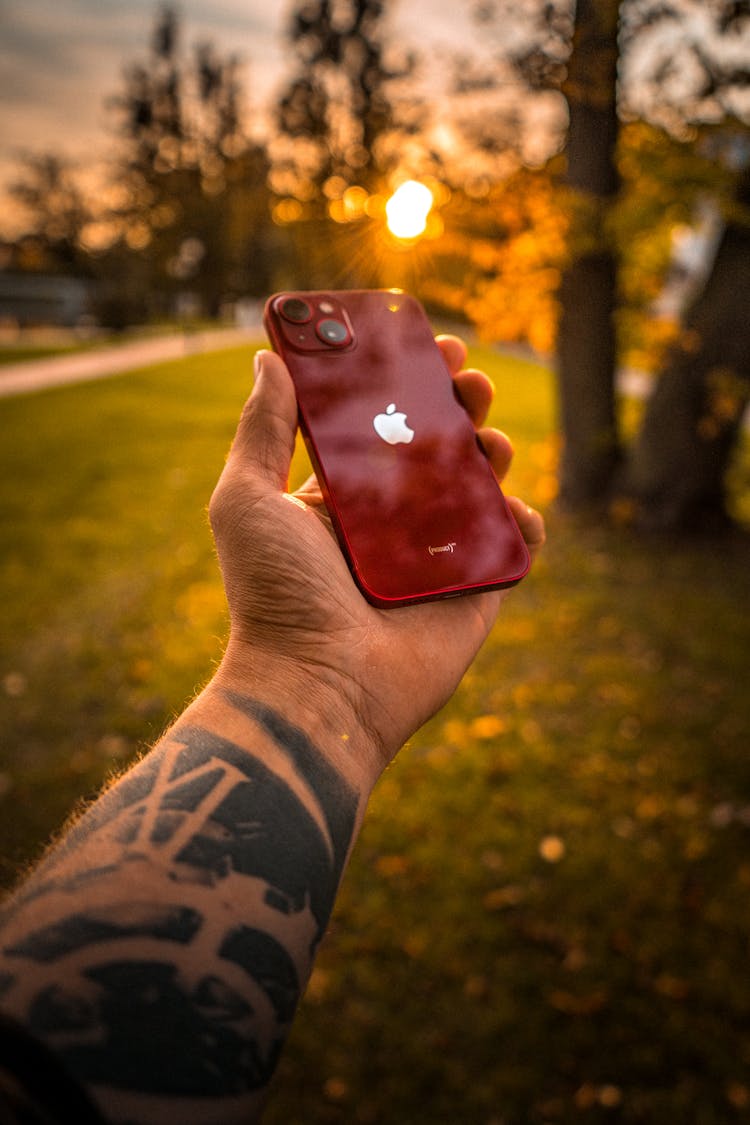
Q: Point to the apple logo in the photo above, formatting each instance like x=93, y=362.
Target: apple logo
x=392, y=427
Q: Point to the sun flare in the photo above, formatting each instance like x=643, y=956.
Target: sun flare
x=407, y=210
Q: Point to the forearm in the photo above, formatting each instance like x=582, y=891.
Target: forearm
x=163, y=945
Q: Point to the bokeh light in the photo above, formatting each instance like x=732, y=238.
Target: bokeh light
x=407, y=209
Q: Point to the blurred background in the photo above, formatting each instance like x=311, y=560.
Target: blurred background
x=567, y=185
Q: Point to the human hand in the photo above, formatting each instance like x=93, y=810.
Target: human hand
x=298, y=620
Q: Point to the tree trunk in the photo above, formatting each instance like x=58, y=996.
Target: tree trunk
x=677, y=470
x=586, y=350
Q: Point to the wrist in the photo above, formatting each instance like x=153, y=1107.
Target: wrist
x=315, y=699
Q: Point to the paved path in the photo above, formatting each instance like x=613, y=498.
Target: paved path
x=100, y=363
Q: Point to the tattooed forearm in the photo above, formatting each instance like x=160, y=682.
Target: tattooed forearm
x=163, y=948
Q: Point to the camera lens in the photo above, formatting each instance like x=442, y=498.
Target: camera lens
x=296, y=310
x=333, y=332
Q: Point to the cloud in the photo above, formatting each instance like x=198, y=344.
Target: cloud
x=61, y=62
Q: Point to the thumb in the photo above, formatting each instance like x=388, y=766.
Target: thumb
x=264, y=442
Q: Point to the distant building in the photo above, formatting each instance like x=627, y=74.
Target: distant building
x=30, y=299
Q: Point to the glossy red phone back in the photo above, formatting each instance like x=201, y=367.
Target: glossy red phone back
x=418, y=517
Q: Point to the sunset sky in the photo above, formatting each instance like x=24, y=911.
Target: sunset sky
x=60, y=59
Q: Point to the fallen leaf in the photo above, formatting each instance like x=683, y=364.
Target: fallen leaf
x=476, y=987
x=503, y=897
x=391, y=866
x=488, y=726
x=552, y=849
x=738, y=1095
x=335, y=1089
x=317, y=986
x=585, y=1096
x=574, y=1005
x=674, y=988
x=609, y=1096
x=15, y=684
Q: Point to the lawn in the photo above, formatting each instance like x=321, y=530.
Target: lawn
x=546, y=918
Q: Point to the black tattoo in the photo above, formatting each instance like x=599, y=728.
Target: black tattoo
x=79, y=930
x=259, y=828
x=338, y=800
x=269, y=964
x=172, y=1020
x=146, y=1031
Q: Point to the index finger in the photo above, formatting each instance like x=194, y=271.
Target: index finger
x=475, y=389
x=454, y=352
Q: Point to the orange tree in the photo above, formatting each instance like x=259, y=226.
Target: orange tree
x=617, y=64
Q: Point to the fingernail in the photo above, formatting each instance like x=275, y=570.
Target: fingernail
x=258, y=362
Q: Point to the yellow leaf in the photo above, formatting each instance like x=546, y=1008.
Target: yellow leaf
x=552, y=849
x=391, y=866
x=650, y=807
x=475, y=987
x=335, y=1089
x=502, y=897
x=609, y=1096
x=317, y=986
x=738, y=1095
x=488, y=726
x=572, y=1005
x=674, y=988
x=456, y=733
x=414, y=944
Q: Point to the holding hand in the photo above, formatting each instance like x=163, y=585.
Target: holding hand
x=294, y=605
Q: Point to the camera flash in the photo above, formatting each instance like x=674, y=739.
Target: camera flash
x=326, y=307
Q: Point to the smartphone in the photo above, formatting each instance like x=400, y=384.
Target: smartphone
x=418, y=512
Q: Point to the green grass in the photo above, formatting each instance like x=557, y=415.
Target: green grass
x=10, y=354
x=112, y=609
x=546, y=917
x=63, y=343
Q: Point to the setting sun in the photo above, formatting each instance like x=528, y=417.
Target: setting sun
x=407, y=209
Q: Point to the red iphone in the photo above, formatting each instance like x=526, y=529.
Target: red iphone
x=416, y=507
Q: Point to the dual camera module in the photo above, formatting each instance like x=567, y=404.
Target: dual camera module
x=309, y=326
